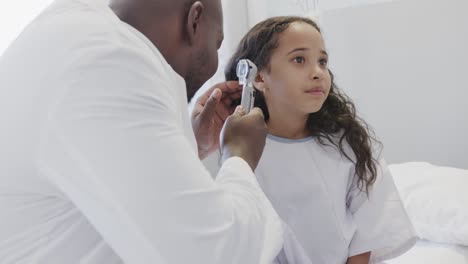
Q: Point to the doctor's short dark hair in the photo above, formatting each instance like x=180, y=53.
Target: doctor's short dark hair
x=336, y=123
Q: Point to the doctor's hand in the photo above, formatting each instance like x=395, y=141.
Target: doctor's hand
x=244, y=136
x=210, y=112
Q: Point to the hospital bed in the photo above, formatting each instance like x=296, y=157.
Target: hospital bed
x=427, y=252
x=436, y=199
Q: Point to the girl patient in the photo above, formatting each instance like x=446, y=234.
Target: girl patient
x=321, y=167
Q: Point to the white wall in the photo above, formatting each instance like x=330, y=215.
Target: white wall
x=307, y=7
x=15, y=15
x=405, y=64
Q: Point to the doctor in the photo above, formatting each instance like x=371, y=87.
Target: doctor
x=99, y=160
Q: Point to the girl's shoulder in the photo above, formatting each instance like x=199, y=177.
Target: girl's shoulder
x=338, y=144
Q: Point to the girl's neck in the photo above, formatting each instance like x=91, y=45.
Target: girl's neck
x=288, y=126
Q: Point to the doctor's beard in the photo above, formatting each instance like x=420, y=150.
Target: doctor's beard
x=199, y=72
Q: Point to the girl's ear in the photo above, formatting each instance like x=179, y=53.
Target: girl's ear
x=259, y=82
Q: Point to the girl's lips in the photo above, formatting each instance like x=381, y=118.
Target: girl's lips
x=315, y=91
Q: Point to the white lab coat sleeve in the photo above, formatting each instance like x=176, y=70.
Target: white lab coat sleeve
x=292, y=251
x=114, y=145
x=382, y=224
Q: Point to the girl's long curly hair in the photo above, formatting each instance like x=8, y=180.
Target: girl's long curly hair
x=335, y=123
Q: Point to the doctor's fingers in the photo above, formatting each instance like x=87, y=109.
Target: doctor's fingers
x=230, y=89
x=223, y=112
x=209, y=105
x=238, y=112
x=228, y=99
x=256, y=113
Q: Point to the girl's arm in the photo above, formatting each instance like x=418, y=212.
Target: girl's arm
x=359, y=259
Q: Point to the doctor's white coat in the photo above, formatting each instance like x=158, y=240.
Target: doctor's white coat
x=98, y=161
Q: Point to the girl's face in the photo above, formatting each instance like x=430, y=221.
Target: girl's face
x=297, y=81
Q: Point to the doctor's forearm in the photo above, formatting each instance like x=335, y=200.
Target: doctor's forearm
x=359, y=259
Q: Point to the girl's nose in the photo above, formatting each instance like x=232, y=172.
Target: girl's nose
x=316, y=73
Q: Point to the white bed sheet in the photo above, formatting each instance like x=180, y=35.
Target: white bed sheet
x=425, y=252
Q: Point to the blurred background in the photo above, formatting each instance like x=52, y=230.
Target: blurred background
x=404, y=63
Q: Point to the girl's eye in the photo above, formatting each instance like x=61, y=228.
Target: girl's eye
x=323, y=62
x=299, y=60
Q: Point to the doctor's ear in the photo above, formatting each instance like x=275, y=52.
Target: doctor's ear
x=259, y=83
x=194, y=18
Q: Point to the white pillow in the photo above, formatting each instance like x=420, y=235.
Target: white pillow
x=436, y=199
x=428, y=252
